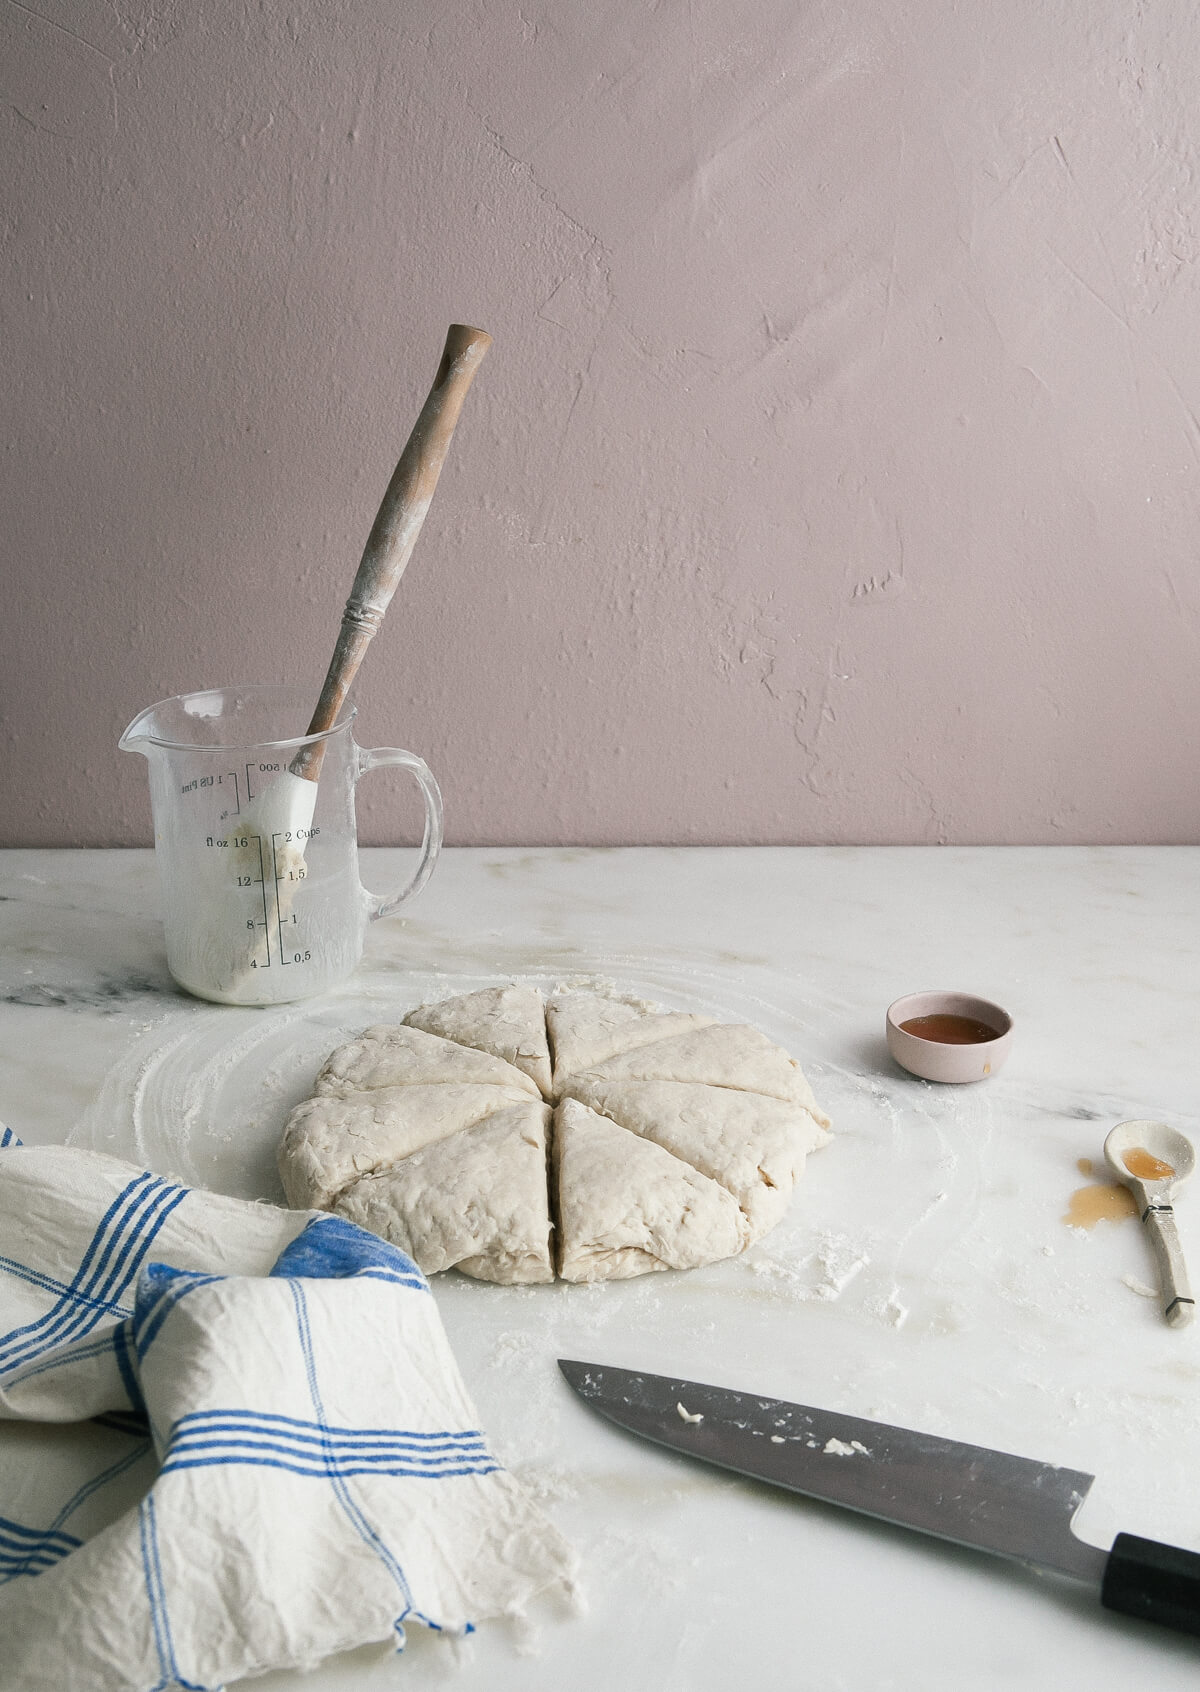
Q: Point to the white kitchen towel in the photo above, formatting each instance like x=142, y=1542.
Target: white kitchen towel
x=232, y=1438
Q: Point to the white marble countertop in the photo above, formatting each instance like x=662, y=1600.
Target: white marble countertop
x=924, y=1274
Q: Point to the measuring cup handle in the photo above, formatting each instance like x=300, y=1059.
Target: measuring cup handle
x=379, y=757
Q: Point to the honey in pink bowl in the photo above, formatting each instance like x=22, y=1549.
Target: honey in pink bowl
x=948, y=1029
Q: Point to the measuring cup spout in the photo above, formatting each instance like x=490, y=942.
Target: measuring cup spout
x=138, y=735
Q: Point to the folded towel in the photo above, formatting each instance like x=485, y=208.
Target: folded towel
x=264, y=1451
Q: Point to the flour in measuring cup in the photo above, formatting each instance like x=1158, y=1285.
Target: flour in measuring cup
x=238, y=938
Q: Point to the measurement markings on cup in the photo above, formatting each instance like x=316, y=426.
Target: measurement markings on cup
x=247, y=851
x=297, y=871
x=262, y=769
x=266, y=920
x=242, y=843
x=199, y=783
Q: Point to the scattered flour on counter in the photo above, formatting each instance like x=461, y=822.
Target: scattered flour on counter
x=604, y=988
x=564, y=1598
x=1139, y=1287
x=515, y=1345
x=462, y=1649
x=891, y=1309
x=650, y=1562
x=547, y=1482
x=526, y=1636
x=895, y=1311
x=836, y=1258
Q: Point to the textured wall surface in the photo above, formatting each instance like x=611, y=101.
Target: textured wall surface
x=833, y=476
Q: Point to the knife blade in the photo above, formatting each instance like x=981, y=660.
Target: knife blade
x=989, y=1500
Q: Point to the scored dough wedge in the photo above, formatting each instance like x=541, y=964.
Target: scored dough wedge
x=753, y=1145
x=587, y=1028
x=476, y=1202
x=410, y=1057
x=719, y=1055
x=330, y=1142
x=508, y=1022
x=626, y=1206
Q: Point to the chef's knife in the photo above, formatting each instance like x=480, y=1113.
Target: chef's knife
x=989, y=1500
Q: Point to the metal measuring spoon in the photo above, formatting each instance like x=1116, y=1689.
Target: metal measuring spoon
x=1152, y=1160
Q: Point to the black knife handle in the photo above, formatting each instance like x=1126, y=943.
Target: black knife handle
x=1154, y=1582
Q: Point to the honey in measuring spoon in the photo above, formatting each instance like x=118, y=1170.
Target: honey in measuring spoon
x=1145, y=1165
x=950, y=1030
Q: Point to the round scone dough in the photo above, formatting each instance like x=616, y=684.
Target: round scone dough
x=591, y=1137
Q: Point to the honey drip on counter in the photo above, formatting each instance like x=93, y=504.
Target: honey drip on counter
x=1146, y=1166
x=1097, y=1203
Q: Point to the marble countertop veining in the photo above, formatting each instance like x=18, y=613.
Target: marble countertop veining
x=924, y=1274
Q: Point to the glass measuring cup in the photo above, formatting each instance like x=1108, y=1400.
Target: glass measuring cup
x=262, y=902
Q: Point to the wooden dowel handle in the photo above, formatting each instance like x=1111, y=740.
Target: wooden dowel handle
x=396, y=527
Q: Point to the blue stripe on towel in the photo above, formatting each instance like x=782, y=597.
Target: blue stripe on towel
x=418, y=1285
x=112, y=1260
x=27, y=1551
x=153, y=1596
x=67, y=1355
x=324, y=1431
x=353, y=1510
x=330, y=1248
x=122, y=1339
x=7, y=1137
x=84, y=1287
x=331, y=1472
x=206, y=1438
x=159, y=1291
x=128, y=1461
x=169, y=1675
x=81, y=1288
x=317, y=1449
x=37, y=1278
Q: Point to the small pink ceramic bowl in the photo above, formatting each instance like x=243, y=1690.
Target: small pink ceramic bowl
x=963, y=1038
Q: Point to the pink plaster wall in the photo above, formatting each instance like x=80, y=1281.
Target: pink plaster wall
x=833, y=476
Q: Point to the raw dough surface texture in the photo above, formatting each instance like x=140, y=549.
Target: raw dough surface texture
x=590, y=1137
